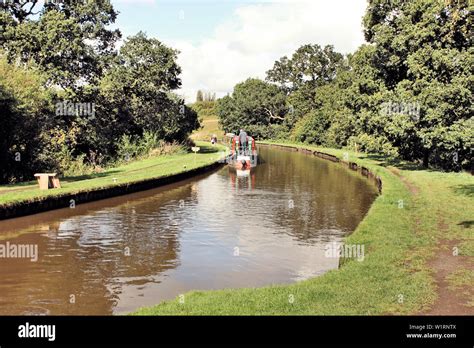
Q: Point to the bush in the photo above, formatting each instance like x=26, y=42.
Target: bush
x=372, y=144
x=311, y=128
x=148, y=142
x=127, y=148
x=164, y=149
x=147, y=146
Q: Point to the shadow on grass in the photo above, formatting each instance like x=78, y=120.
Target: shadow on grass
x=17, y=184
x=374, y=157
x=91, y=176
x=390, y=162
x=466, y=190
x=466, y=224
x=412, y=166
x=208, y=149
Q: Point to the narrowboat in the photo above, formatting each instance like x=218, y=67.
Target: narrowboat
x=242, y=156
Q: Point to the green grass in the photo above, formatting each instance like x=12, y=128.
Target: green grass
x=135, y=171
x=393, y=278
x=461, y=281
x=209, y=127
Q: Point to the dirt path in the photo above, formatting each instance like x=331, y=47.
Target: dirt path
x=449, y=301
x=444, y=263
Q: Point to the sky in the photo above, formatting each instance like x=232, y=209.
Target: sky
x=224, y=42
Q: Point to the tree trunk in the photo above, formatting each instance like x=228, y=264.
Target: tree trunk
x=426, y=156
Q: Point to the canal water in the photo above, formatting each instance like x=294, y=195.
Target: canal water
x=220, y=230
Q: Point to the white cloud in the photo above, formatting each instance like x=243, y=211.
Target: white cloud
x=248, y=44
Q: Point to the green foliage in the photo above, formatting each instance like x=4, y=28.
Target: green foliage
x=408, y=94
x=148, y=145
x=272, y=131
x=311, y=128
x=253, y=103
x=131, y=91
x=205, y=109
x=208, y=120
x=310, y=65
x=25, y=113
x=75, y=166
x=137, y=92
x=148, y=142
x=261, y=107
x=127, y=148
x=57, y=145
x=372, y=144
x=423, y=53
x=70, y=41
x=300, y=102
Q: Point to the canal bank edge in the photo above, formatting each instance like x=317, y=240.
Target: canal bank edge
x=394, y=277
x=365, y=172
x=43, y=204
x=374, y=178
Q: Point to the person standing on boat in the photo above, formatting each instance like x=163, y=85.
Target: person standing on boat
x=243, y=141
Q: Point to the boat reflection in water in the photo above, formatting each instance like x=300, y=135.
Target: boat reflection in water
x=242, y=179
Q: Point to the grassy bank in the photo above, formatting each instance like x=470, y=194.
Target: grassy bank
x=135, y=171
x=419, y=214
x=209, y=127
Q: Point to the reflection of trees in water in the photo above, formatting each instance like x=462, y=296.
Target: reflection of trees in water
x=316, y=198
x=86, y=255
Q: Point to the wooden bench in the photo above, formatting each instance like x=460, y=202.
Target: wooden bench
x=47, y=181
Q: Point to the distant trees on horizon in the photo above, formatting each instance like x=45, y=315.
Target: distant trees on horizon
x=205, y=96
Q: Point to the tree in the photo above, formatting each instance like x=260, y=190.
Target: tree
x=310, y=65
x=138, y=90
x=199, y=96
x=209, y=97
x=69, y=40
x=75, y=61
x=25, y=113
x=253, y=103
x=424, y=55
x=205, y=96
